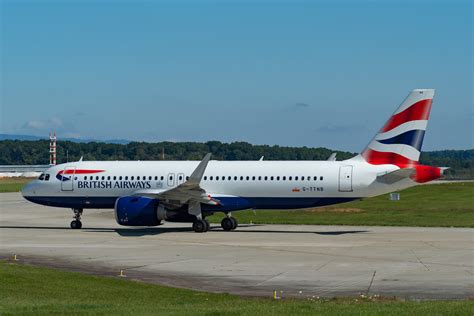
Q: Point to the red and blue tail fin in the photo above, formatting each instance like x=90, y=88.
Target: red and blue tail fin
x=400, y=139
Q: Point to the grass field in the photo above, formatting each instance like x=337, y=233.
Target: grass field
x=13, y=184
x=442, y=205
x=42, y=291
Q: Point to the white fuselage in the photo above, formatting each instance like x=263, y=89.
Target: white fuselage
x=239, y=184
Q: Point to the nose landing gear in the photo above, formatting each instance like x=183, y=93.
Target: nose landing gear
x=76, y=223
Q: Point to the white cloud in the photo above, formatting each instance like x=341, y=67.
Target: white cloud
x=52, y=123
x=44, y=127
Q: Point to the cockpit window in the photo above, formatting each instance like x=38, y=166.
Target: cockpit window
x=46, y=177
x=41, y=177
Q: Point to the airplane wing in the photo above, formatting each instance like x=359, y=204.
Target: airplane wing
x=189, y=192
x=332, y=157
x=395, y=176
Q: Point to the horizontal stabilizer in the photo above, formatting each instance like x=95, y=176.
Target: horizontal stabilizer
x=443, y=170
x=395, y=176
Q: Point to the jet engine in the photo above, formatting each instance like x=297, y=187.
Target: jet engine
x=143, y=211
x=136, y=211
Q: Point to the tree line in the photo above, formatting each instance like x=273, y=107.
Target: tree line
x=21, y=152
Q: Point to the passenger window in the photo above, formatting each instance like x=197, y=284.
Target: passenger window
x=290, y=178
x=223, y=178
x=103, y=178
x=229, y=178
x=241, y=178
x=266, y=178
x=120, y=178
x=108, y=178
x=126, y=177
x=85, y=177
x=180, y=178
x=308, y=178
x=321, y=178
x=284, y=178
x=162, y=178
x=97, y=177
x=271, y=178
x=156, y=178
x=205, y=177
x=302, y=178
x=187, y=178
x=115, y=177
x=296, y=178
x=211, y=178
x=253, y=178
x=149, y=178
x=278, y=178
x=315, y=178
x=132, y=177
x=46, y=178
x=235, y=178
x=138, y=178
x=259, y=178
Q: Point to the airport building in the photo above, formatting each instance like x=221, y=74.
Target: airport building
x=30, y=171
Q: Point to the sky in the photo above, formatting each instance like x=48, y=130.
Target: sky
x=293, y=73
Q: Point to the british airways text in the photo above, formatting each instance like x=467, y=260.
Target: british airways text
x=113, y=184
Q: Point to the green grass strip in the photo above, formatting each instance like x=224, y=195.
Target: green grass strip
x=30, y=290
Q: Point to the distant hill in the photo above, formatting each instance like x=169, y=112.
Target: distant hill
x=74, y=140
x=12, y=152
x=19, y=137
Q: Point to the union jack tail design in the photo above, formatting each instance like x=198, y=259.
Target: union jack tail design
x=400, y=139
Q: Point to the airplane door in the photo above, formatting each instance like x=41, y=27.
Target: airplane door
x=345, y=179
x=170, y=179
x=180, y=178
x=67, y=179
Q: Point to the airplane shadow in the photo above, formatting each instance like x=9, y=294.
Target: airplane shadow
x=328, y=233
x=150, y=231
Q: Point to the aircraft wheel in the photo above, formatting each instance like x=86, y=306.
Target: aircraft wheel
x=200, y=226
x=75, y=224
x=234, y=223
x=227, y=224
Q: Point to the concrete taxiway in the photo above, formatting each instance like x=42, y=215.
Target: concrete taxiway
x=300, y=260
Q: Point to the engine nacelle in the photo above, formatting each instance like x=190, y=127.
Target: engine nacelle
x=143, y=211
x=136, y=211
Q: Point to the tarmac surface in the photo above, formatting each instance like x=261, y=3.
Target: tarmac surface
x=299, y=260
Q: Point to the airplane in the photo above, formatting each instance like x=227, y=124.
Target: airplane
x=146, y=193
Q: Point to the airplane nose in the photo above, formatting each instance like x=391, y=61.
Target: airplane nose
x=27, y=190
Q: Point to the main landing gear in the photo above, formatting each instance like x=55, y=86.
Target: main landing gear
x=76, y=223
x=229, y=223
x=200, y=225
